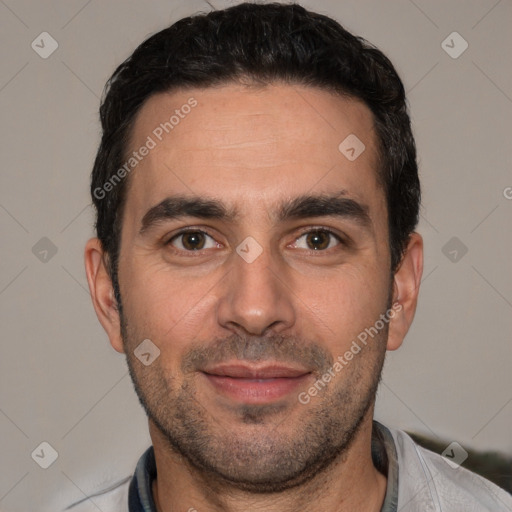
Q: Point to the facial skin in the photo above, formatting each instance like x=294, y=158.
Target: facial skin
x=255, y=149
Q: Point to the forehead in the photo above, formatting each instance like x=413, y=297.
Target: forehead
x=252, y=146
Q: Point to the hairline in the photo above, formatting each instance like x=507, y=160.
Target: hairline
x=253, y=83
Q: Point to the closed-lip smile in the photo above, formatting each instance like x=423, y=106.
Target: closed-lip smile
x=256, y=384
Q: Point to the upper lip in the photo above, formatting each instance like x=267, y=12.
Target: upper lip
x=269, y=371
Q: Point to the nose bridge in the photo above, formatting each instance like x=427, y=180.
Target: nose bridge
x=254, y=272
x=254, y=295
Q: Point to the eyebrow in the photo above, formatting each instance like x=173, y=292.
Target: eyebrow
x=301, y=207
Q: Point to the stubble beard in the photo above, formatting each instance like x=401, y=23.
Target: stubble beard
x=258, y=450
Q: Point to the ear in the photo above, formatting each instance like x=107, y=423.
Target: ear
x=102, y=292
x=406, y=286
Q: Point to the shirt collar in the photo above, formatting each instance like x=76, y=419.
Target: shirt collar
x=140, y=493
x=385, y=459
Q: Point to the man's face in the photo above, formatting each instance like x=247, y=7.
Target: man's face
x=249, y=311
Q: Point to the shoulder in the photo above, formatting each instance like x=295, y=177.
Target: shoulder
x=113, y=498
x=426, y=481
x=122, y=495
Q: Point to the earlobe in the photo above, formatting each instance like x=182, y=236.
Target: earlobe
x=406, y=285
x=102, y=292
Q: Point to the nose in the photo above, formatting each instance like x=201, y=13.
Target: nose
x=256, y=298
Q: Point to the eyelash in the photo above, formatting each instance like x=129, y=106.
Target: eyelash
x=307, y=231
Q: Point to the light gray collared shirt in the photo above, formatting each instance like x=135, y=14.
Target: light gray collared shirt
x=418, y=480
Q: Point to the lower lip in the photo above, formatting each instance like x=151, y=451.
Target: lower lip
x=256, y=391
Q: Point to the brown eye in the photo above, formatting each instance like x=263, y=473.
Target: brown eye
x=318, y=240
x=191, y=241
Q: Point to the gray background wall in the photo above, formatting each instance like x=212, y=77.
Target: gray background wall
x=62, y=383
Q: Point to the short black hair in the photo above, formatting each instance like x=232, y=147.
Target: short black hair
x=262, y=44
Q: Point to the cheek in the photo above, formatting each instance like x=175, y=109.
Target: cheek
x=343, y=304
x=170, y=310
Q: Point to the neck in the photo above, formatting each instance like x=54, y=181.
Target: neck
x=351, y=482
